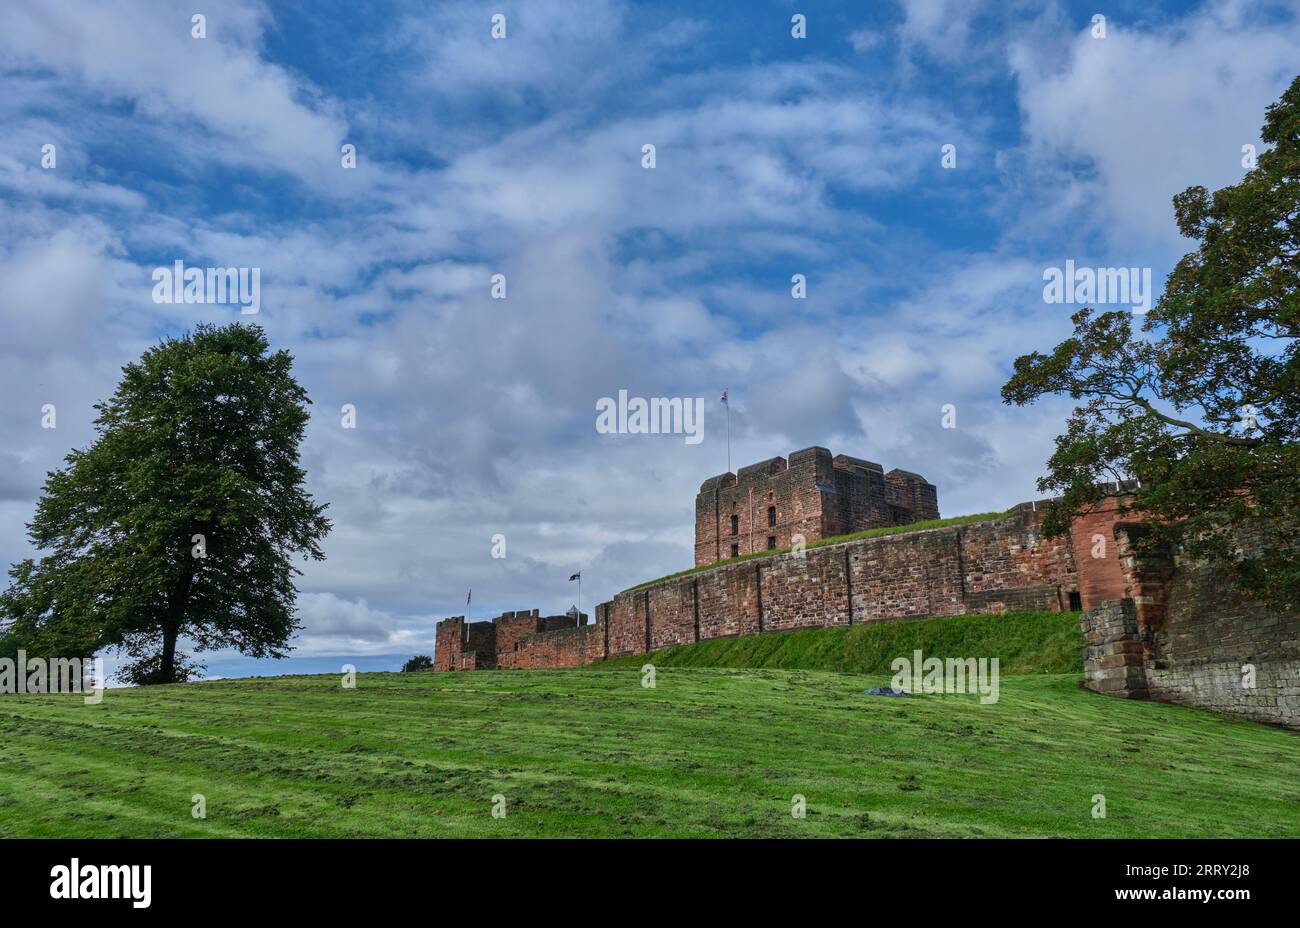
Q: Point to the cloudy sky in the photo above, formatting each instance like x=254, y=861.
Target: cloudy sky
x=522, y=156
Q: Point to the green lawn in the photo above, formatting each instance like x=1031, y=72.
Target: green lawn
x=708, y=752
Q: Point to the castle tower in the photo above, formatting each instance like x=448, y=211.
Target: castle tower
x=811, y=494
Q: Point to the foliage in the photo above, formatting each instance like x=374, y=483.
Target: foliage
x=1202, y=405
x=182, y=518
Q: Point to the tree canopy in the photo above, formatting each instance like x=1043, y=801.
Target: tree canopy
x=183, y=518
x=1201, y=404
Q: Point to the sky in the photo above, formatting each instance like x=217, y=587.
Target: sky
x=523, y=156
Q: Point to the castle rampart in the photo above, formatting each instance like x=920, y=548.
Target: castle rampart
x=999, y=565
x=1185, y=632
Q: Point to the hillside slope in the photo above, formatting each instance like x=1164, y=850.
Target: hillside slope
x=706, y=753
x=1023, y=642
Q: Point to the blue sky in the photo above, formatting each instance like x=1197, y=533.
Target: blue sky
x=522, y=156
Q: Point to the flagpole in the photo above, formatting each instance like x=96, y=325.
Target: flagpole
x=727, y=403
x=579, y=622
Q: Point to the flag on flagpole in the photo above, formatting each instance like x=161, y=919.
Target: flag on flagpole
x=469, y=597
x=577, y=576
x=724, y=396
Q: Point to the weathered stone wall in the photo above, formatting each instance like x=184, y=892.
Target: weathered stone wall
x=627, y=624
x=728, y=598
x=565, y=647
x=907, y=575
x=513, y=627
x=461, y=645
x=1112, y=653
x=1186, y=633
x=811, y=494
x=449, y=641
x=805, y=592
x=1213, y=638
x=995, y=566
x=1097, y=556
x=671, y=608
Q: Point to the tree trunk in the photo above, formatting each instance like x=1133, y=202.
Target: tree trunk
x=168, y=670
x=172, y=624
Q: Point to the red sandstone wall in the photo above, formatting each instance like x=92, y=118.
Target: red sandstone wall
x=1011, y=566
x=996, y=566
x=808, y=591
x=900, y=576
x=1188, y=633
x=728, y=601
x=563, y=647
x=627, y=627
x=672, y=612
x=447, y=644
x=1101, y=579
x=513, y=627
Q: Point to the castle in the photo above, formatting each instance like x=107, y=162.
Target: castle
x=1000, y=565
x=813, y=495
x=1154, y=625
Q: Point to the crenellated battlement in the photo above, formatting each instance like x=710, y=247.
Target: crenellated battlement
x=491, y=644
x=1001, y=564
x=772, y=503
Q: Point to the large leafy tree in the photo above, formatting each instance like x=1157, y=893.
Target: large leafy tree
x=1202, y=404
x=183, y=518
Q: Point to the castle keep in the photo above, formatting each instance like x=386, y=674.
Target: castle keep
x=999, y=565
x=813, y=495
x=1154, y=626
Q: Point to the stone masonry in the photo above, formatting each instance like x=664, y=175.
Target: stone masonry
x=1000, y=565
x=1155, y=626
x=1185, y=632
x=811, y=494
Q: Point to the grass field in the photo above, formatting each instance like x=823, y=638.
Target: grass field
x=707, y=752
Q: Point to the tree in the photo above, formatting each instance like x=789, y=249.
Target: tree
x=183, y=517
x=419, y=662
x=1203, y=405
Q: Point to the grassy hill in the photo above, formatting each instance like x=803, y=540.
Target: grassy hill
x=707, y=752
x=1023, y=642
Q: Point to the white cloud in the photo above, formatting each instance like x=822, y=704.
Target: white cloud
x=1153, y=111
x=217, y=96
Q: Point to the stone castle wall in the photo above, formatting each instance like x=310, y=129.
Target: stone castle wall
x=1186, y=633
x=999, y=565
x=812, y=495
